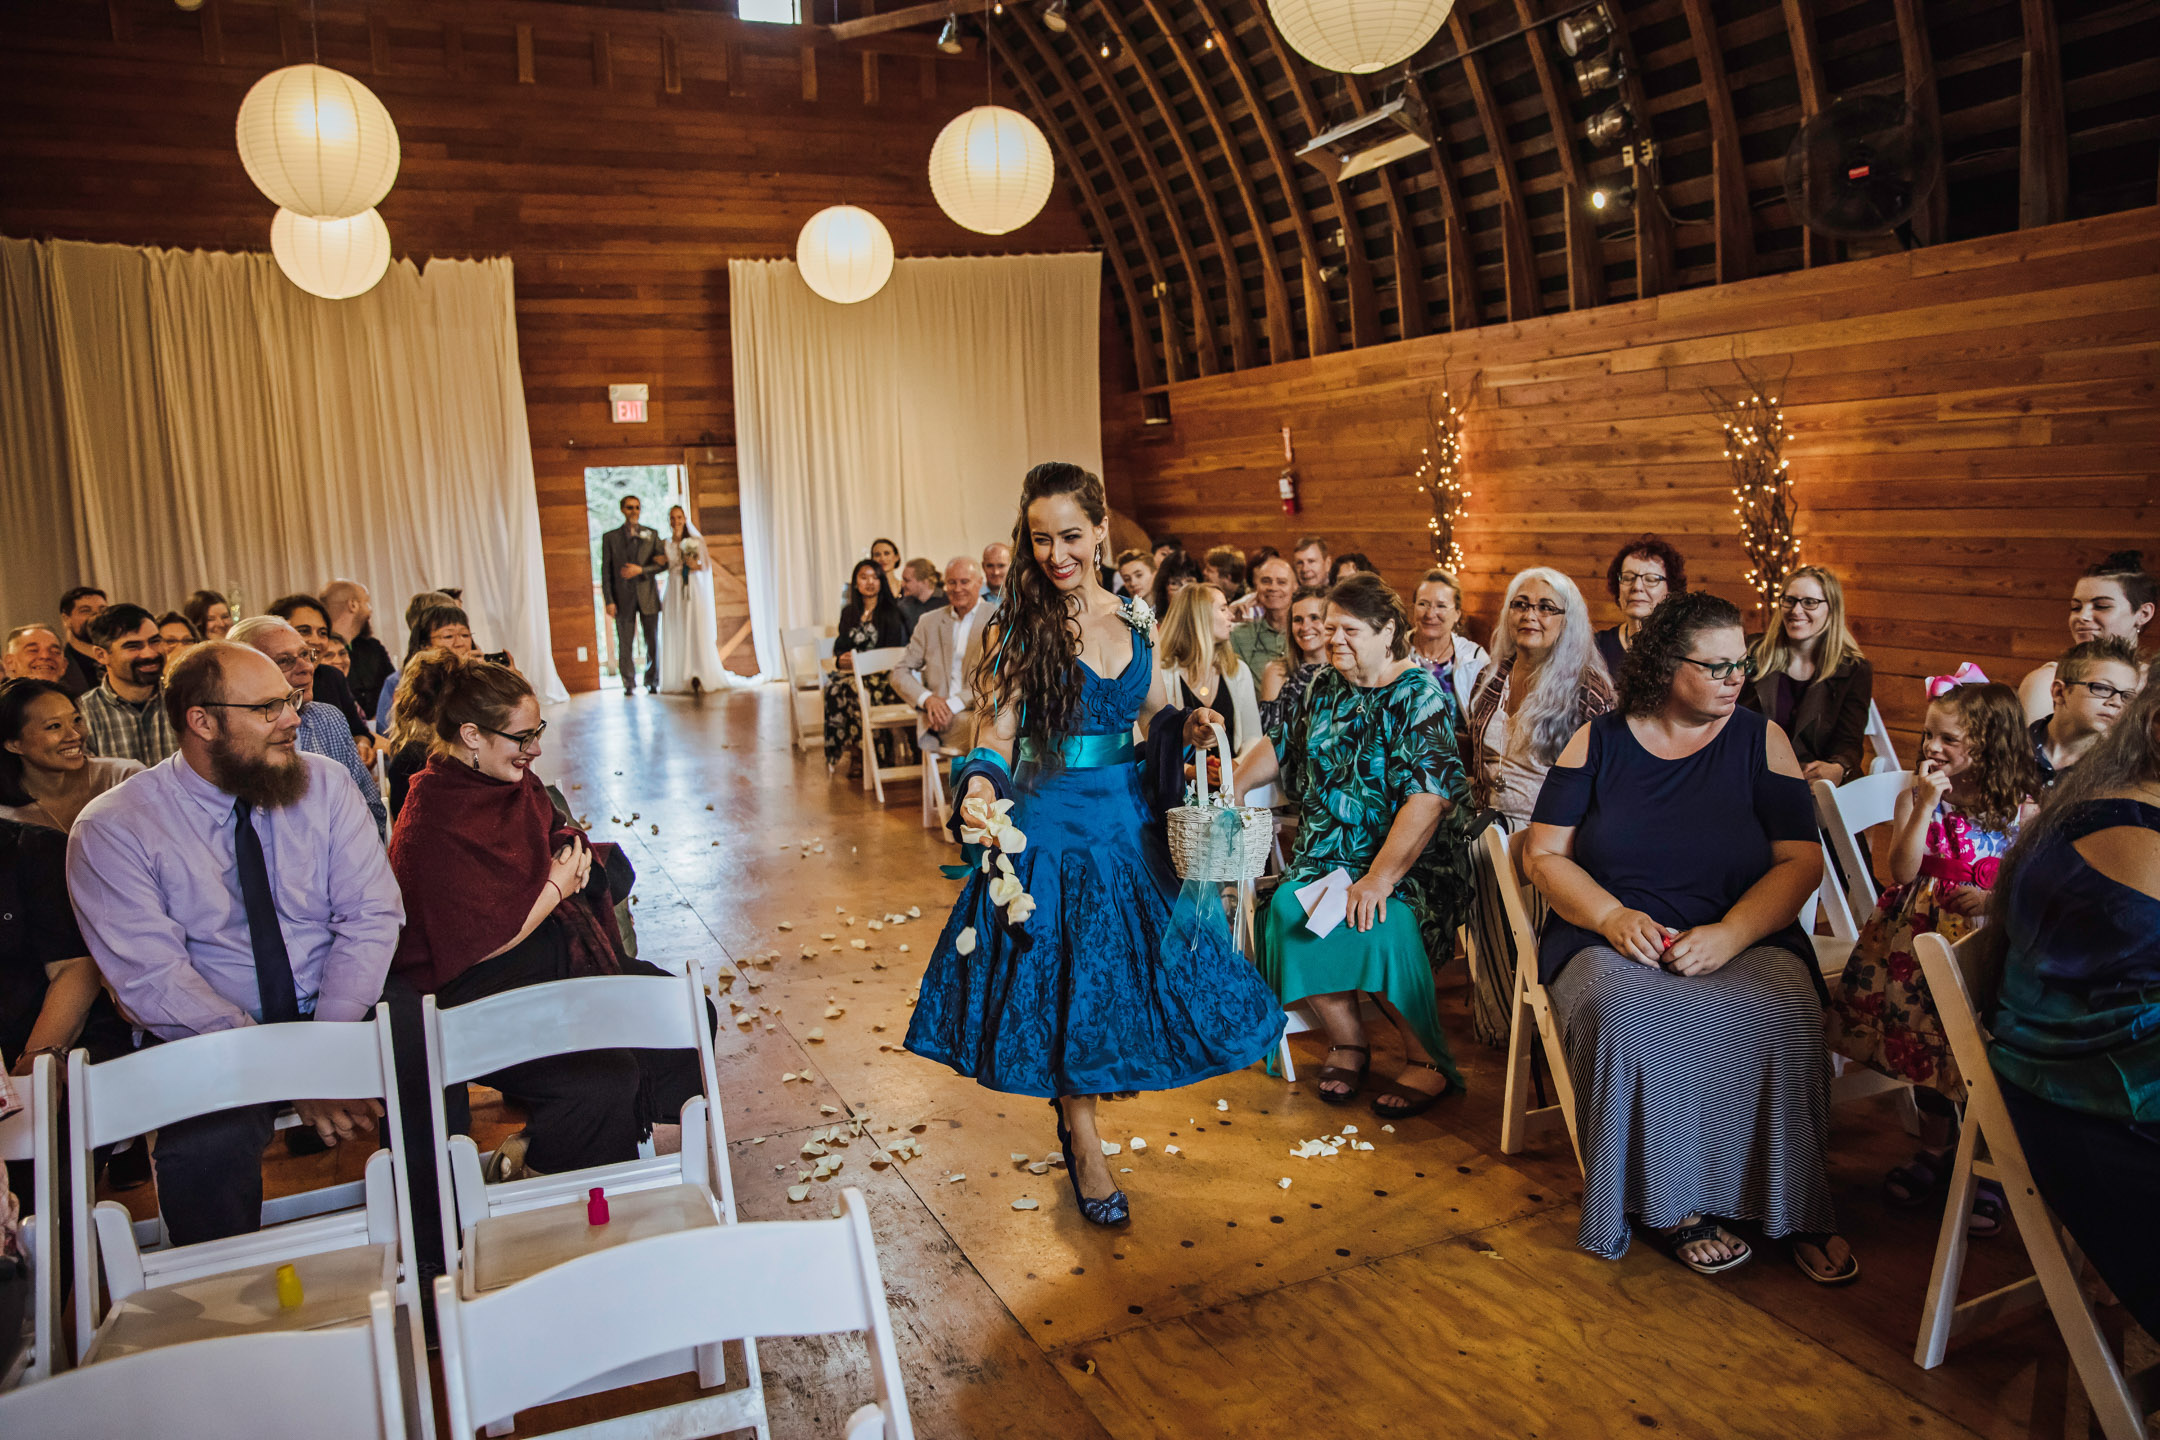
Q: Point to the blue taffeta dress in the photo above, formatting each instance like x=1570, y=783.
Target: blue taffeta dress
x=1082, y=999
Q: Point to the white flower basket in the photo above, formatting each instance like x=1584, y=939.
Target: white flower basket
x=1216, y=839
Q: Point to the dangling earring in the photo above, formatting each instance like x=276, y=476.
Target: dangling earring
x=472, y=758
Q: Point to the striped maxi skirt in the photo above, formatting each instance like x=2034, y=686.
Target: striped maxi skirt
x=1696, y=1095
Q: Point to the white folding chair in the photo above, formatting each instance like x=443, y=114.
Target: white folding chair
x=1878, y=735
x=804, y=651
x=1843, y=812
x=33, y=1134
x=895, y=717
x=497, y=1235
x=345, y=1241
x=1988, y=1148
x=935, y=755
x=335, y=1382
x=600, y=1314
x=1530, y=1012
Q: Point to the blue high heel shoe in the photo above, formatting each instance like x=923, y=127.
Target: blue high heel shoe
x=1113, y=1210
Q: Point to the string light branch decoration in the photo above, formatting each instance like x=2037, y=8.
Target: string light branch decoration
x=1440, y=475
x=1754, y=424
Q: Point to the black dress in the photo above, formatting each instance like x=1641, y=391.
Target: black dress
x=886, y=628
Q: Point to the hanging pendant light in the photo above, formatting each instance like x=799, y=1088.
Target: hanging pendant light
x=335, y=259
x=1358, y=37
x=317, y=142
x=845, y=254
x=990, y=170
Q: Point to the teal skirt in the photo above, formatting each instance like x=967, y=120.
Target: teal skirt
x=1388, y=960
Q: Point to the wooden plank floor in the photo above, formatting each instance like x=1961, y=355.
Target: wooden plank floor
x=1429, y=1286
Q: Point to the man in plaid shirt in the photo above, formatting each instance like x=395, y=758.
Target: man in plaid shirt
x=125, y=714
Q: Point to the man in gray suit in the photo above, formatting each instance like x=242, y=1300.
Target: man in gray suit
x=937, y=675
x=629, y=559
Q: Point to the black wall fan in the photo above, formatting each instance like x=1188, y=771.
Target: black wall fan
x=1861, y=167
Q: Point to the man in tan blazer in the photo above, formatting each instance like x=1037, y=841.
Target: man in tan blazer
x=937, y=675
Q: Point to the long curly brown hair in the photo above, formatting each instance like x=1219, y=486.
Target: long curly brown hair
x=1031, y=654
x=2003, y=770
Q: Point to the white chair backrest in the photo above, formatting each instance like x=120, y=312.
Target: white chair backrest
x=344, y=1386
x=1878, y=735
x=802, y=647
x=1843, y=812
x=33, y=1134
x=253, y=1065
x=512, y=1348
x=877, y=662
x=594, y=1012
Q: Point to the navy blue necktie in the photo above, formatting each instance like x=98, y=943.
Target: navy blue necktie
x=273, y=967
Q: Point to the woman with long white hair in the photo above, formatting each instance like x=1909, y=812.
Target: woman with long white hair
x=689, y=626
x=1545, y=682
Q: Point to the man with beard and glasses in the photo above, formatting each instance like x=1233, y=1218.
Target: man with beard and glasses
x=239, y=883
x=323, y=731
x=78, y=607
x=124, y=716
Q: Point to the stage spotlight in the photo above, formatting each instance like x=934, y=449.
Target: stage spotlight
x=948, y=38
x=1054, y=18
x=1612, y=201
x=1609, y=127
x=1600, y=72
x=1584, y=29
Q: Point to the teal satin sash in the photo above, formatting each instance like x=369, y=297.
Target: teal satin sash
x=1087, y=752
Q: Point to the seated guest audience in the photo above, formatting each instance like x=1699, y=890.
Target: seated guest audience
x=996, y=565
x=1201, y=669
x=207, y=611
x=937, y=676
x=1224, y=568
x=1975, y=783
x=887, y=556
x=2115, y=599
x=1309, y=557
x=417, y=606
x=1371, y=761
x=1265, y=638
x=1449, y=656
x=2094, y=679
x=307, y=616
x=1811, y=679
x=34, y=652
x=1282, y=686
x=2076, y=919
x=1136, y=573
x=50, y=998
x=47, y=773
x=336, y=655
x=919, y=593
x=238, y=883
x=323, y=730
x=1176, y=571
x=1545, y=682
x=175, y=634
x=1641, y=576
x=501, y=893
x=124, y=715
x=1166, y=546
x=871, y=620
x=438, y=627
x=78, y=607
x=1675, y=844
x=1342, y=567
x=352, y=619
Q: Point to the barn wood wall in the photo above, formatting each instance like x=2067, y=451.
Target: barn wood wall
x=1970, y=425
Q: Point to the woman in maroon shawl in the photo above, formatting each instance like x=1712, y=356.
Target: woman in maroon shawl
x=501, y=893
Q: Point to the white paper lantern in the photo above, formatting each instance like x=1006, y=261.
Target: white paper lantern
x=1358, y=36
x=317, y=142
x=990, y=169
x=844, y=254
x=336, y=259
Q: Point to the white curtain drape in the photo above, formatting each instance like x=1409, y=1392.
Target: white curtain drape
x=912, y=415
x=194, y=420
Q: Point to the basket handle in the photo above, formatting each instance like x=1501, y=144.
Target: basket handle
x=1222, y=751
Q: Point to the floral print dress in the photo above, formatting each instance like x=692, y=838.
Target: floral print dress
x=1882, y=1015
x=843, y=716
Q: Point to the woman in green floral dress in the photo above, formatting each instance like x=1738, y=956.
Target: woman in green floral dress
x=1372, y=764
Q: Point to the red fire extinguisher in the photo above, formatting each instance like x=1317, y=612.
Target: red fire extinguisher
x=1287, y=483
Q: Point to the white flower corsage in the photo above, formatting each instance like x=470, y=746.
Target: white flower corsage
x=1140, y=617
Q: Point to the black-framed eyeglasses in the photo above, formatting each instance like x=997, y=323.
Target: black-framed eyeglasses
x=271, y=711
x=1647, y=579
x=1809, y=603
x=1523, y=605
x=523, y=739
x=1725, y=669
x=2102, y=691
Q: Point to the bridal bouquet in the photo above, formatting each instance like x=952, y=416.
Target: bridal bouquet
x=693, y=554
x=988, y=822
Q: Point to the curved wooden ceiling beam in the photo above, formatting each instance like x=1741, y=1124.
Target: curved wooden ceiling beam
x=1517, y=260
x=1931, y=226
x=1814, y=95
x=1410, y=318
x=1364, y=308
x=2043, y=136
x=1653, y=228
x=1243, y=352
x=1585, y=259
x=1463, y=310
x=1280, y=347
x=1207, y=343
x=1735, y=218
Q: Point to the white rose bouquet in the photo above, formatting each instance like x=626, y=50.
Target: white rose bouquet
x=989, y=823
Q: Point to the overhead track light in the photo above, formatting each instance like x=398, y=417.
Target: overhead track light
x=1609, y=127
x=1600, y=72
x=1585, y=30
x=1612, y=201
x=1400, y=127
x=1109, y=47
x=1054, y=18
x=948, y=38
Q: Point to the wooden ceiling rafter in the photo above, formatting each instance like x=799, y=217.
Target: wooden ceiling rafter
x=1409, y=265
x=1734, y=215
x=1585, y=266
x=1814, y=95
x=2043, y=135
x=1518, y=260
x=1916, y=53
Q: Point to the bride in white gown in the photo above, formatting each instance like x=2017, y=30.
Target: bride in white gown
x=689, y=628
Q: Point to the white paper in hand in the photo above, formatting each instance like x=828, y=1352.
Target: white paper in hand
x=1326, y=901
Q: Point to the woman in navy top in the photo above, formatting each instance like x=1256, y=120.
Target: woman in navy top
x=1675, y=843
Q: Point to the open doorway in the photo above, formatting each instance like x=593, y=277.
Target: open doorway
x=658, y=486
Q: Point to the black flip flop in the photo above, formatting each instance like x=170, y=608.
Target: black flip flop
x=1419, y=1101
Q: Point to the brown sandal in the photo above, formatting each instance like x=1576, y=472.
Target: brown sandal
x=1417, y=1102
x=1355, y=1079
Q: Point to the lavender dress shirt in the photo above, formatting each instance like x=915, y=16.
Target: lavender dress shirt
x=151, y=870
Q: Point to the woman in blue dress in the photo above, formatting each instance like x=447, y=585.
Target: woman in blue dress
x=1091, y=991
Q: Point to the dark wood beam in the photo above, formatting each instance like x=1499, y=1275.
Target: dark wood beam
x=1735, y=218
x=1931, y=224
x=1364, y=308
x=1464, y=310
x=2043, y=137
x=1244, y=353
x=907, y=19
x=1517, y=260
x=1410, y=317
x=1585, y=261
x=1277, y=295
x=1653, y=229
x=1814, y=95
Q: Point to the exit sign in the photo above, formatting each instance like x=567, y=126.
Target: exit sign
x=627, y=402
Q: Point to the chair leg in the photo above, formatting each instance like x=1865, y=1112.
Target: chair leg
x=1938, y=1314
x=1515, y=1100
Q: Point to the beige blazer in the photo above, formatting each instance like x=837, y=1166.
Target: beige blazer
x=927, y=667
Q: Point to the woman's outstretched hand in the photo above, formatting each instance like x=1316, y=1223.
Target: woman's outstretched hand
x=573, y=863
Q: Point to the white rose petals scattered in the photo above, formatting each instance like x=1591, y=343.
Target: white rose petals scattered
x=816, y=1036
x=903, y=949
x=1172, y=1150
x=796, y=1194
x=1222, y=1104
x=860, y=944
x=1349, y=1129
x=1023, y=1203
x=1018, y=1158
x=1137, y=1144
x=914, y=912
x=834, y=1012
x=787, y=925
x=964, y=942
x=828, y=1109
x=1283, y=1184
x=1390, y=1129
x=956, y=1179
x=828, y=935
x=875, y=924
x=1111, y=1147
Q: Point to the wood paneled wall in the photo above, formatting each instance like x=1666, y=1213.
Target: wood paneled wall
x=1971, y=425
x=620, y=158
